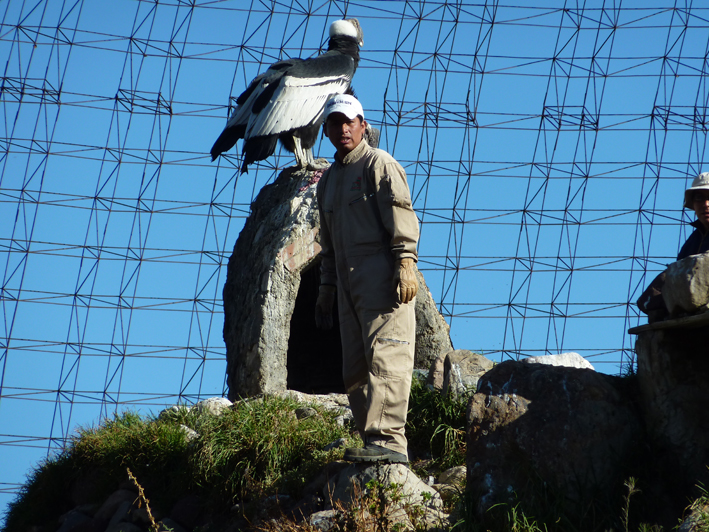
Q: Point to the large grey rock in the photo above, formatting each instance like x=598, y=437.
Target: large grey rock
x=533, y=427
x=673, y=376
x=686, y=288
x=569, y=360
x=122, y=514
x=263, y=277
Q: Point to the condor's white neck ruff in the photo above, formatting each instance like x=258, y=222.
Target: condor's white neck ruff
x=343, y=27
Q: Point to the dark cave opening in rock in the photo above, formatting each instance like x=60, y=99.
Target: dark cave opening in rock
x=314, y=356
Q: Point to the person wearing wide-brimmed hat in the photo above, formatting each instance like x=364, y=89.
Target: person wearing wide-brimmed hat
x=696, y=198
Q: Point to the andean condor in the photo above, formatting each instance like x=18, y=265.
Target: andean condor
x=286, y=102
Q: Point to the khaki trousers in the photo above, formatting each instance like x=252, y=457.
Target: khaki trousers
x=378, y=334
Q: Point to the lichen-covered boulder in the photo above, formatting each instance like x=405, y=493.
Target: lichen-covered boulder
x=534, y=427
x=673, y=376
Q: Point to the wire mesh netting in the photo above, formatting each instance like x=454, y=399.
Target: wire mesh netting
x=547, y=150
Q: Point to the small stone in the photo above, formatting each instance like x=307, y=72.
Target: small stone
x=173, y=411
x=214, y=406
x=324, y=520
x=337, y=444
x=447, y=492
x=455, y=476
x=190, y=435
x=304, y=412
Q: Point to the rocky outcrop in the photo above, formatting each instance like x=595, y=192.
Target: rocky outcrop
x=269, y=300
x=263, y=277
x=673, y=376
x=535, y=427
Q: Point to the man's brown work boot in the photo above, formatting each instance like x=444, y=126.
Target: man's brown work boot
x=375, y=453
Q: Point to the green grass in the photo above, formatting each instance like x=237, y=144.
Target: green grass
x=260, y=446
x=436, y=425
x=257, y=448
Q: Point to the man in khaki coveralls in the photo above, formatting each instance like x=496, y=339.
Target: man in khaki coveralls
x=368, y=233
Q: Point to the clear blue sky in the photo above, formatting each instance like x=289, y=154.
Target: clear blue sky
x=547, y=149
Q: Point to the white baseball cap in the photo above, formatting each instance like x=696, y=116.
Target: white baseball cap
x=345, y=104
x=701, y=182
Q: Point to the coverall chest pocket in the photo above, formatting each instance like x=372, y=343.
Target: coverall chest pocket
x=362, y=224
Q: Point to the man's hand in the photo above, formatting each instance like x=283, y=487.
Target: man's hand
x=323, y=307
x=405, y=276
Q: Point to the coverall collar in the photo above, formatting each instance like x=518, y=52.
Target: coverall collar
x=354, y=155
x=696, y=223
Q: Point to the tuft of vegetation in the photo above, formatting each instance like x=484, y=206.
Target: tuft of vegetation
x=436, y=425
x=154, y=527
x=257, y=448
x=260, y=447
x=95, y=462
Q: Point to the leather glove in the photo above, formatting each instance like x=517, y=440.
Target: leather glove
x=405, y=277
x=323, y=307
